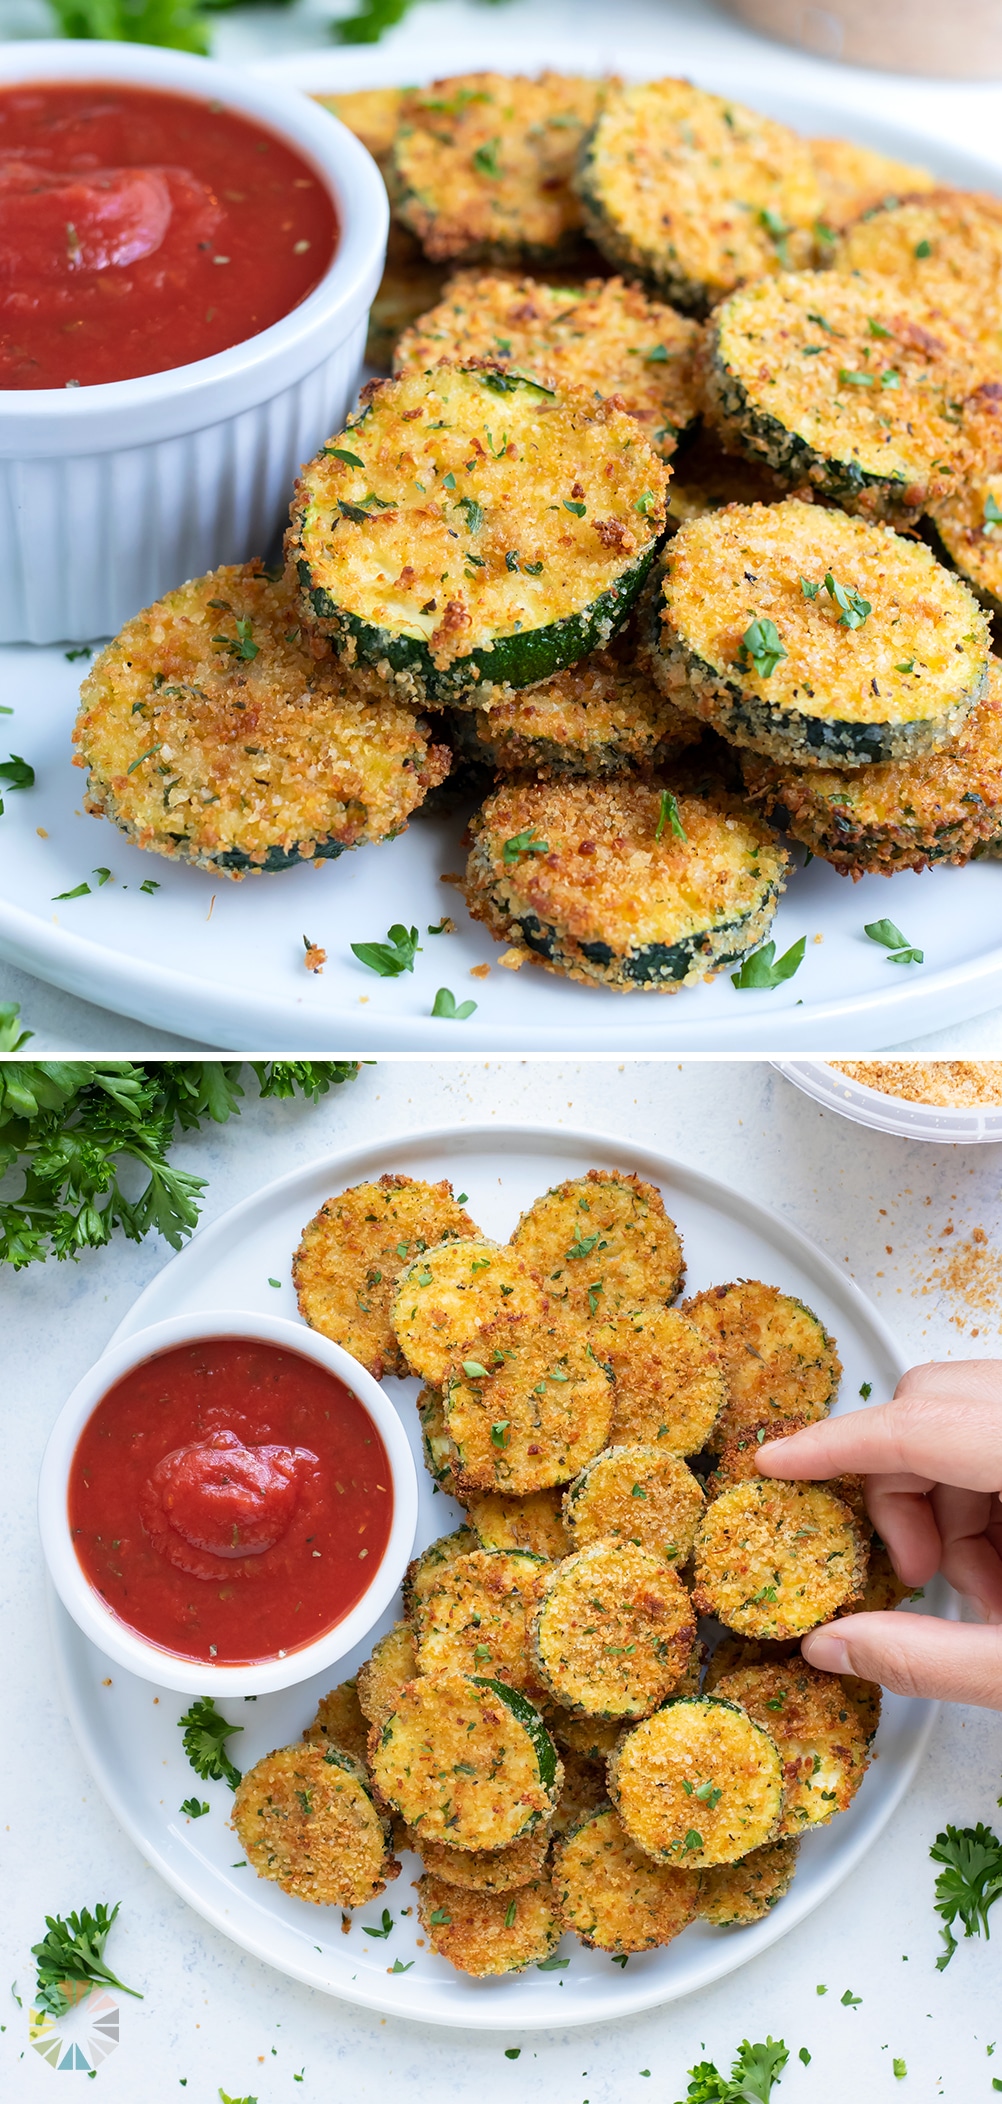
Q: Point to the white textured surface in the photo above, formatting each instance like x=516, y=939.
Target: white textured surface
x=212, y=2017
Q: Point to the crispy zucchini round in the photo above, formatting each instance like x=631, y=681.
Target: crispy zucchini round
x=534, y=1522
x=896, y=814
x=530, y=1409
x=613, y=1630
x=604, y=335
x=612, y=1895
x=670, y=1387
x=588, y=1739
x=351, y=1254
x=447, y=1296
x=884, y=1590
x=778, y=1360
x=601, y=1243
x=822, y=1743
x=774, y=1559
x=619, y=898
x=437, y=1447
x=965, y=530
x=340, y=1721
x=212, y=735
x=730, y=1652
x=489, y=532
x=898, y=684
x=601, y=716
x=737, y=1462
x=481, y=165
x=425, y=1570
x=307, y=1820
x=466, y=1762
x=391, y=1664
x=639, y=1494
x=944, y=248
x=698, y=1783
x=583, y=1791
x=732, y=1895
x=695, y=193
x=475, y=1620
x=842, y=383
x=856, y=179
x=487, y=1869
x=489, y=1932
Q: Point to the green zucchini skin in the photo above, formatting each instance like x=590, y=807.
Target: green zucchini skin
x=989, y=600
x=657, y=966
x=277, y=858
x=763, y=438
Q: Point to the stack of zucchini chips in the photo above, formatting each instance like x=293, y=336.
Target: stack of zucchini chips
x=675, y=529
x=544, y=1727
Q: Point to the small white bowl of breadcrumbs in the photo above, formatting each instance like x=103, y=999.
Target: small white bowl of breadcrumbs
x=958, y=1101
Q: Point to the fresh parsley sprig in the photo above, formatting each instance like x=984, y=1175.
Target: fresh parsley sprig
x=755, y=2071
x=445, y=1004
x=73, y=1949
x=16, y=773
x=204, y=1742
x=969, y=1883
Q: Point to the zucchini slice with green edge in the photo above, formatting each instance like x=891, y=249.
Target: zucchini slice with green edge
x=472, y=531
x=307, y=1819
x=623, y=883
x=528, y=1716
x=698, y=1783
x=486, y=1933
x=965, y=531
x=439, y=1760
x=211, y=734
x=884, y=662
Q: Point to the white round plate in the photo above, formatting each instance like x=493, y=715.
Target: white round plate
x=224, y=962
x=130, y=1739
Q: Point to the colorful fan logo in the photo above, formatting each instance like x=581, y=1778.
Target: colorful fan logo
x=83, y=2036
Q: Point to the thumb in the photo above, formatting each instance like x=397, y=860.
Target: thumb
x=914, y=1655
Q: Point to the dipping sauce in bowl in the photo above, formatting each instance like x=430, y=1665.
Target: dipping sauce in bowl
x=142, y=230
x=230, y=1500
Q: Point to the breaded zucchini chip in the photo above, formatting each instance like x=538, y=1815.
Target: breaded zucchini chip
x=487, y=1869
x=482, y=163
x=307, y=1820
x=822, y=1743
x=529, y=1409
x=212, y=734
x=698, y=1783
x=613, y=1631
x=670, y=1386
x=472, y=531
x=778, y=1360
x=884, y=1590
x=466, y=1762
x=340, y=1722
x=583, y=1791
x=475, y=1620
x=965, y=531
x=352, y=1252
x=602, y=1243
x=425, y=1570
x=856, y=179
x=489, y=1932
x=943, y=248
x=844, y=383
x=894, y=814
x=373, y=114
x=447, y=1296
x=612, y=1895
x=408, y=287
x=601, y=716
x=694, y=193
x=638, y=1494
x=393, y=1662
x=737, y=1463
x=604, y=335
x=756, y=641
x=590, y=1739
x=774, y=1559
x=623, y=883
x=732, y=1652
x=734, y=1894
x=534, y=1522
x=437, y=1447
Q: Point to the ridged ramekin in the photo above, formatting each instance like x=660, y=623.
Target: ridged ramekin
x=112, y=495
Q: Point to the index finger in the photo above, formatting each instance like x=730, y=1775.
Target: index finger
x=926, y=1432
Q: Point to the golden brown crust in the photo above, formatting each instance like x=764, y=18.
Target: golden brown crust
x=698, y=1783
x=943, y=248
x=534, y=1522
x=733, y=1894
x=599, y=716
x=352, y=1252
x=306, y=1819
x=486, y=1869
x=613, y=1630
x=446, y=1299
x=855, y=179
x=774, y=1559
x=822, y=1743
x=424, y=1571
x=612, y=1895
x=340, y=1721
x=475, y=1619
x=777, y=1358
x=639, y=1494
x=391, y=1664
x=670, y=1387
x=440, y=1758
x=489, y=1932
x=532, y=1406
x=607, y=1230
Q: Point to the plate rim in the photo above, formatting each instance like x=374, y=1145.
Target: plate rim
x=70, y=1651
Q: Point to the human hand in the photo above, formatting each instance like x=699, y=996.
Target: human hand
x=932, y=1463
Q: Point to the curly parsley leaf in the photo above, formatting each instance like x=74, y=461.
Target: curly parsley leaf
x=73, y=1949
x=969, y=1883
x=195, y=1807
x=12, y=1037
x=204, y=1742
x=754, y=2073
x=761, y=646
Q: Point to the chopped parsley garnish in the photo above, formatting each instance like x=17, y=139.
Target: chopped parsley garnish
x=885, y=932
x=16, y=773
x=922, y=250
x=397, y=1966
x=854, y=608
x=900, y=2070
x=533, y=569
x=80, y=891
x=485, y=159
x=572, y=504
x=552, y=1964
x=761, y=646
x=523, y=844
x=850, y=2000
x=669, y=815
x=445, y=1004
x=889, y=377
x=764, y=968
x=777, y=231
x=511, y=1914
x=149, y=885
x=853, y=379
x=645, y=502
x=244, y=646
x=392, y=957
x=969, y=1883
x=351, y=460
x=876, y=328
x=804, y=2056
x=500, y=1432
x=866, y=1390
x=822, y=323
x=385, y=1925
x=512, y=2052
x=474, y=513
x=73, y=1949
x=195, y=1807
x=992, y=515
x=205, y=1736
x=754, y=2072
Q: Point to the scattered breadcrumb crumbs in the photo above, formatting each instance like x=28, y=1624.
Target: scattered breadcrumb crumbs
x=480, y=971
x=451, y=876
x=948, y=1083
x=513, y=959
x=41, y=831
x=971, y=1273
x=315, y=958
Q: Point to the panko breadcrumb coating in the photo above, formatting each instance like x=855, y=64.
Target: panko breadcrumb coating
x=774, y=1559
x=778, y=1360
x=425, y=1569
x=489, y=1932
x=486, y=1869
x=530, y=1408
x=613, y=1631
x=612, y=1895
x=590, y=1739
x=600, y=716
x=583, y=1790
x=391, y=1664
x=639, y=1494
x=373, y=114
x=466, y=1762
x=605, y=335
x=475, y=1619
x=438, y=1449
x=737, y=1462
x=670, y=1386
x=733, y=1894
x=533, y=1522
x=698, y=1783
x=444, y=1300
x=352, y=1252
x=212, y=734
x=965, y=525
x=601, y=1243
x=306, y=1820
x=855, y=179
x=341, y=1722
x=943, y=248
x=594, y=881
x=822, y=1743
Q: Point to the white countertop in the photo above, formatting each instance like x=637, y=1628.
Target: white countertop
x=214, y=2017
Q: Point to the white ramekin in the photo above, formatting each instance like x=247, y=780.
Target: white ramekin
x=112, y=495
x=85, y=1605
x=958, y=1125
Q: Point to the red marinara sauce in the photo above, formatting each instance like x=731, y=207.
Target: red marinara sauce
x=140, y=231
x=230, y=1501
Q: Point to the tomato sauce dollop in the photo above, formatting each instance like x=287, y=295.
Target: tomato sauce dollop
x=140, y=231
x=230, y=1501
